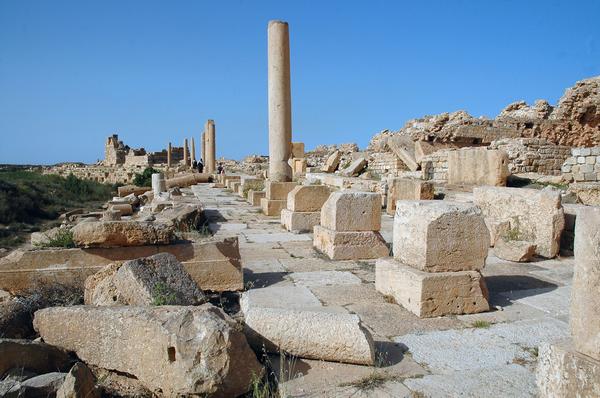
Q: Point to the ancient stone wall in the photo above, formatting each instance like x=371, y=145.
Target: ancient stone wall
x=533, y=155
x=99, y=173
x=435, y=166
x=385, y=163
x=582, y=165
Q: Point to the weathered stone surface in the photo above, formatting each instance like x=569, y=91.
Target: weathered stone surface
x=585, y=305
x=278, y=190
x=182, y=216
x=142, y=282
x=254, y=197
x=477, y=166
x=41, y=386
x=121, y=233
x=404, y=148
x=78, y=383
x=332, y=162
x=534, y=215
x=514, y=250
x=354, y=168
x=587, y=193
x=298, y=222
x=305, y=198
x=351, y=245
x=326, y=333
x=431, y=294
x=439, y=236
x=407, y=189
x=563, y=372
x=34, y=356
x=352, y=211
x=178, y=350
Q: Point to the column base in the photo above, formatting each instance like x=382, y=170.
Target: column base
x=300, y=222
x=254, y=197
x=356, y=245
x=272, y=207
x=431, y=294
x=278, y=190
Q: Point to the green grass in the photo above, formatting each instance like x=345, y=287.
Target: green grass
x=481, y=324
x=63, y=238
x=163, y=295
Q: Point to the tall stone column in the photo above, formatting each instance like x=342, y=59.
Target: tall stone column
x=169, y=160
x=185, y=152
x=280, y=102
x=211, y=152
x=193, y=157
x=203, y=150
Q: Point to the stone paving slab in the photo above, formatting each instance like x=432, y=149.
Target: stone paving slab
x=324, y=278
x=273, y=237
x=555, y=302
x=348, y=294
x=295, y=264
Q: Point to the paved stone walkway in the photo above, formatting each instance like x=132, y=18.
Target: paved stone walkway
x=437, y=357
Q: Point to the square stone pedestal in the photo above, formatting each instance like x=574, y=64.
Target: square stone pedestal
x=298, y=222
x=564, y=372
x=254, y=197
x=272, y=207
x=234, y=186
x=431, y=294
x=353, y=245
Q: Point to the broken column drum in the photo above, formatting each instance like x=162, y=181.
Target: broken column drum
x=159, y=184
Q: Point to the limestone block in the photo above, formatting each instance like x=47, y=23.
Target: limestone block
x=254, y=197
x=534, y=215
x=431, y=294
x=439, y=236
x=278, y=190
x=121, y=233
x=125, y=209
x=314, y=332
x=519, y=251
x=79, y=383
x=307, y=197
x=354, y=168
x=477, y=166
x=404, y=148
x=352, y=211
x=407, y=189
x=585, y=305
x=142, y=282
x=297, y=149
x=353, y=245
x=300, y=222
x=588, y=193
x=187, y=180
x=272, y=207
x=563, y=372
x=332, y=162
x=129, y=189
x=178, y=350
x=181, y=216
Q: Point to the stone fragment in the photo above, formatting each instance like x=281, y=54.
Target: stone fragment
x=181, y=216
x=111, y=215
x=534, y=215
x=121, y=233
x=585, y=305
x=299, y=222
x=78, y=383
x=407, y=189
x=352, y=211
x=34, y=356
x=125, y=209
x=159, y=279
x=431, y=294
x=332, y=162
x=514, y=250
x=307, y=197
x=177, y=350
x=440, y=236
x=354, y=168
x=477, y=166
x=403, y=147
x=349, y=245
x=563, y=372
x=41, y=386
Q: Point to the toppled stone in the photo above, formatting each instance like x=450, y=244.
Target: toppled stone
x=514, y=250
x=177, y=350
x=182, y=216
x=534, y=215
x=332, y=162
x=354, y=168
x=352, y=211
x=159, y=279
x=440, y=236
x=121, y=233
x=78, y=383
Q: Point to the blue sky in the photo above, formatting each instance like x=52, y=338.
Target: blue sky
x=74, y=72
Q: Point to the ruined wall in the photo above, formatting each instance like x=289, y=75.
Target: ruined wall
x=435, y=166
x=99, y=173
x=533, y=155
x=114, y=151
x=386, y=163
x=582, y=165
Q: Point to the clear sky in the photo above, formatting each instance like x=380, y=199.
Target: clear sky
x=74, y=72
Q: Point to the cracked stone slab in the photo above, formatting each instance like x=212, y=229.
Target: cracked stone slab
x=324, y=278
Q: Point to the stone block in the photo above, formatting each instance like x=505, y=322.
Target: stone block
x=354, y=168
x=585, y=303
x=179, y=350
x=352, y=211
x=278, y=190
x=431, y=294
x=477, y=166
x=404, y=149
x=534, y=215
x=309, y=198
x=439, y=236
x=332, y=162
x=121, y=233
x=297, y=150
x=299, y=222
x=272, y=207
x=407, y=189
x=563, y=372
x=518, y=251
x=353, y=245
x=254, y=197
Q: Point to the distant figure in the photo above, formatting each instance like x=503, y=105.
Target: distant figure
x=194, y=165
x=200, y=166
x=220, y=169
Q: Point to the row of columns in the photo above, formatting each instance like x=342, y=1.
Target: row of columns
x=208, y=150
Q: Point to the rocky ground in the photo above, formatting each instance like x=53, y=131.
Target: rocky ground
x=488, y=354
